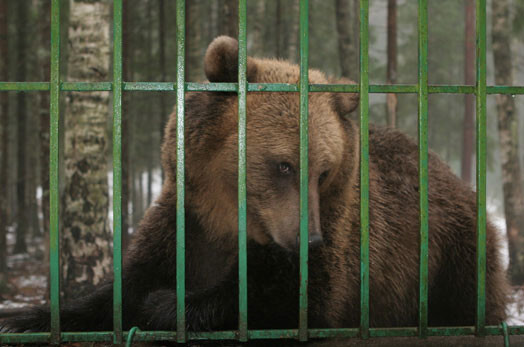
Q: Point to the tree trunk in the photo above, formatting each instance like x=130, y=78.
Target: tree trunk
x=32, y=179
x=392, y=101
x=343, y=22
x=469, y=99
x=278, y=29
x=293, y=49
x=4, y=150
x=138, y=196
x=194, y=69
x=212, y=27
x=44, y=25
x=150, y=137
x=86, y=254
x=508, y=140
x=355, y=33
x=45, y=68
x=22, y=220
x=126, y=62
x=162, y=65
x=258, y=32
x=134, y=195
x=149, y=184
x=229, y=18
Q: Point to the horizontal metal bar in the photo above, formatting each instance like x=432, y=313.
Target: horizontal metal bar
x=513, y=90
x=150, y=86
x=107, y=336
x=24, y=86
x=86, y=86
x=256, y=87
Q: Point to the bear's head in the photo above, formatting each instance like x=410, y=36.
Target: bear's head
x=273, y=148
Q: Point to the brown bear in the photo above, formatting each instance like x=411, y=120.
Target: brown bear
x=273, y=221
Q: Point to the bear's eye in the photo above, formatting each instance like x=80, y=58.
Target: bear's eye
x=323, y=177
x=285, y=168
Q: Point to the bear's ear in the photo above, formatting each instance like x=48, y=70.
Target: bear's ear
x=345, y=102
x=221, y=61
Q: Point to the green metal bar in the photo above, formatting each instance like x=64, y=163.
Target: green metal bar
x=364, y=169
x=149, y=336
x=180, y=167
x=257, y=87
x=505, y=333
x=24, y=86
x=393, y=332
x=423, y=162
x=304, y=131
x=481, y=166
x=514, y=90
x=117, y=171
x=54, y=109
x=87, y=86
x=242, y=162
x=130, y=336
x=337, y=88
x=457, y=89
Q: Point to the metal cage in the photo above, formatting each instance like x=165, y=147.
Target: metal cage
x=180, y=86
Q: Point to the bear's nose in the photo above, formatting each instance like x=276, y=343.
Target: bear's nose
x=315, y=240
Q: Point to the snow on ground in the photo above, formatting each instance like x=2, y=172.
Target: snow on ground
x=515, y=310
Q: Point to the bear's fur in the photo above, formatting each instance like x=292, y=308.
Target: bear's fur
x=211, y=136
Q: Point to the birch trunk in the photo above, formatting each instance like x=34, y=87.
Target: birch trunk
x=508, y=141
x=86, y=255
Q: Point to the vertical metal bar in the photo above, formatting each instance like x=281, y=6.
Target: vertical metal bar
x=481, y=167
x=242, y=205
x=54, y=244
x=423, y=162
x=180, y=163
x=364, y=170
x=117, y=171
x=304, y=115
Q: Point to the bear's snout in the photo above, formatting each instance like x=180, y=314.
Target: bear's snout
x=315, y=240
